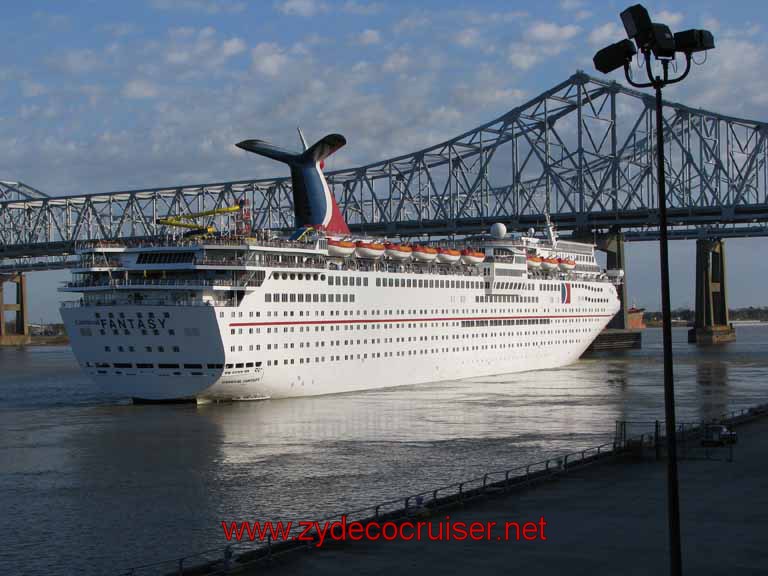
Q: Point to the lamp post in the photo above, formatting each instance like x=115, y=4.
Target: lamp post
x=654, y=39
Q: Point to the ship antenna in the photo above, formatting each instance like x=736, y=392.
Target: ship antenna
x=301, y=137
x=551, y=232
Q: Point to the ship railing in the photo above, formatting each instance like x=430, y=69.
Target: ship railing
x=144, y=302
x=165, y=282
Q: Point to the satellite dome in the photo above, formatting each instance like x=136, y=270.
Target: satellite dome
x=499, y=231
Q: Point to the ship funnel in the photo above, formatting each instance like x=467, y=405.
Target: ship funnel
x=313, y=201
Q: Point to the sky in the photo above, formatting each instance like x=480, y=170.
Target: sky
x=103, y=96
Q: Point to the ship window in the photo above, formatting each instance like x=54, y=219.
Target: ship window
x=167, y=366
x=338, y=280
x=358, y=281
x=175, y=349
x=267, y=297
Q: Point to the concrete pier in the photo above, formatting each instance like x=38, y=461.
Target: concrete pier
x=711, y=325
x=617, y=335
x=604, y=519
x=18, y=333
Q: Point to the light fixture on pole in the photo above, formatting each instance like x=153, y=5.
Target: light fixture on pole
x=655, y=39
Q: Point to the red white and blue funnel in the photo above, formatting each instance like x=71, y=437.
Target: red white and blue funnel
x=313, y=201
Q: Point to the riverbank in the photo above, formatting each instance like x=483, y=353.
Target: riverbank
x=605, y=519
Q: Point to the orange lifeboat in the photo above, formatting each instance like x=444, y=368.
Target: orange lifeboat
x=549, y=264
x=370, y=250
x=397, y=251
x=534, y=262
x=448, y=255
x=566, y=264
x=424, y=253
x=472, y=257
x=340, y=248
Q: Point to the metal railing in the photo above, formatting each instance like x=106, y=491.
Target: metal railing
x=164, y=283
x=221, y=560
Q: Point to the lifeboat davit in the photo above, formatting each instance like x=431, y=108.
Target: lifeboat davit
x=424, y=253
x=448, y=255
x=534, y=262
x=340, y=248
x=472, y=257
x=566, y=264
x=397, y=251
x=549, y=264
x=370, y=250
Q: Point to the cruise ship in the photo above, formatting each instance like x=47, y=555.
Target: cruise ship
x=213, y=316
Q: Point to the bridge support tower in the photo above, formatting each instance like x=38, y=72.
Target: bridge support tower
x=618, y=334
x=712, y=325
x=14, y=333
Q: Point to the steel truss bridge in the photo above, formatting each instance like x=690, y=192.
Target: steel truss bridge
x=583, y=150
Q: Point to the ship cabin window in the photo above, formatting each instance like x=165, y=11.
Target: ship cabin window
x=378, y=281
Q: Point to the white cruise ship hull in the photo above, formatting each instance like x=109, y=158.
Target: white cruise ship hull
x=360, y=337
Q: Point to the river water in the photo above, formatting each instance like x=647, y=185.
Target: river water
x=90, y=484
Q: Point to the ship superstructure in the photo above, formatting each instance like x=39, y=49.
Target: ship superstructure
x=248, y=316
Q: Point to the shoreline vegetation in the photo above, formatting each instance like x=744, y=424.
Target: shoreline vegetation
x=686, y=316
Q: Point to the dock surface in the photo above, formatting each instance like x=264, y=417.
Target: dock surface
x=604, y=519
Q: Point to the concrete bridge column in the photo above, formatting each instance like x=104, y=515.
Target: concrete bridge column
x=712, y=325
x=613, y=245
x=19, y=333
x=618, y=334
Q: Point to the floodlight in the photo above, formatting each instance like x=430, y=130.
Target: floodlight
x=662, y=41
x=690, y=41
x=637, y=23
x=614, y=56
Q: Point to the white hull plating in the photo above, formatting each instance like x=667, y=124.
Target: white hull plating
x=368, y=335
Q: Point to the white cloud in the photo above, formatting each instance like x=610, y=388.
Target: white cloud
x=476, y=17
x=361, y=8
x=77, y=61
x=368, y=37
x=396, y=62
x=467, y=37
x=201, y=48
x=571, y=4
x=671, y=19
x=608, y=33
x=304, y=8
x=207, y=6
x=269, y=58
x=551, y=32
x=120, y=29
x=413, y=22
x=139, y=89
x=542, y=40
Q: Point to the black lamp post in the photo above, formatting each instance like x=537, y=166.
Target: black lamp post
x=656, y=39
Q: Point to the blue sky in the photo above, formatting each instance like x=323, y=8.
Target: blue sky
x=99, y=96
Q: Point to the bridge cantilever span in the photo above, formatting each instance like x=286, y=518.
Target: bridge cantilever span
x=583, y=150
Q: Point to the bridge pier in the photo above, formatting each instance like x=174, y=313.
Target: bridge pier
x=712, y=325
x=19, y=331
x=617, y=335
